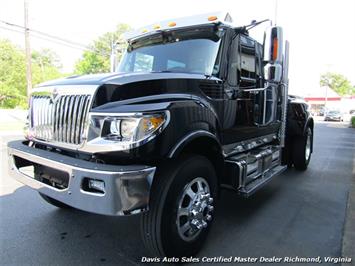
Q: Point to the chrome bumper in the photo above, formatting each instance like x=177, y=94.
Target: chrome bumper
x=127, y=188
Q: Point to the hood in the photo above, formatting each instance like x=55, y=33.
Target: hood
x=119, y=78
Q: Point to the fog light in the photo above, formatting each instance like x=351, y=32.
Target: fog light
x=97, y=185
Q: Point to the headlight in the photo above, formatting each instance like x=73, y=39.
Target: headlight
x=126, y=130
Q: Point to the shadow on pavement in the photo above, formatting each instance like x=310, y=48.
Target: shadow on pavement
x=44, y=234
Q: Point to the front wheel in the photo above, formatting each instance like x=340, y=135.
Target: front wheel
x=181, y=208
x=302, y=150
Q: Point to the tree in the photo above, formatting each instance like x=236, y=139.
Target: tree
x=97, y=58
x=12, y=75
x=45, y=66
x=337, y=82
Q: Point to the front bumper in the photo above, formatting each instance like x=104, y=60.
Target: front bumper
x=127, y=188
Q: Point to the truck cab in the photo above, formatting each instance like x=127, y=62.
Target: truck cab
x=196, y=105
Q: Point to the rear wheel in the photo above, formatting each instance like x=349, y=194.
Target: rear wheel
x=54, y=202
x=181, y=208
x=302, y=150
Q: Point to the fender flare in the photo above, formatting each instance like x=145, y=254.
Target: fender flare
x=309, y=122
x=179, y=146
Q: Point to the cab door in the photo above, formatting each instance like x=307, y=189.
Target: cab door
x=250, y=110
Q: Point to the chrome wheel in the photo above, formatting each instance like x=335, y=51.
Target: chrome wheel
x=308, y=145
x=195, y=209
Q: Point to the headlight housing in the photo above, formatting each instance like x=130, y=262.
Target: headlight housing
x=125, y=130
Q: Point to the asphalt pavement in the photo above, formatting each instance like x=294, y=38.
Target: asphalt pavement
x=298, y=214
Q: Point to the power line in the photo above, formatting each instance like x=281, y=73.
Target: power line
x=52, y=38
x=43, y=33
x=4, y=28
x=46, y=39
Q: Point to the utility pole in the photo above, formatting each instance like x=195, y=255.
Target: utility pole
x=28, y=52
x=276, y=6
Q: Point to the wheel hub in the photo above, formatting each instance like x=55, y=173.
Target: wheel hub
x=201, y=211
x=195, y=209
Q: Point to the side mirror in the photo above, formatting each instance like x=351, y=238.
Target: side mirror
x=273, y=43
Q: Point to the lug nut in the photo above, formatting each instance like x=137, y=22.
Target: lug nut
x=194, y=222
x=210, y=208
x=204, y=224
x=205, y=196
x=208, y=217
x=210, y=200
x=194, y=212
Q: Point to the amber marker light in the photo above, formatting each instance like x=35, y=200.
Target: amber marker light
x=172, y=24
x=156, y=27
x=144, y=30
x=274, y=51
x=212, y=18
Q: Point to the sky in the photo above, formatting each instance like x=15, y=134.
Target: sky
x=321, y=33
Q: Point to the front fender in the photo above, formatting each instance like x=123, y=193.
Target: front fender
x=183, y=142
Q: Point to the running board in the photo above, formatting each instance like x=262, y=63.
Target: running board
x=260, y=182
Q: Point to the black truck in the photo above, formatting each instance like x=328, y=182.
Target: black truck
x=195, y=106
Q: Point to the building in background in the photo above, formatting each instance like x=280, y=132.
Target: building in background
x=321, y=99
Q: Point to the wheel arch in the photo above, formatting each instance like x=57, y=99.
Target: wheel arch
x=203, y=143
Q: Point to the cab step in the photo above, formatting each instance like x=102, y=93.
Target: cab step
x=250, y=171
x=260, y=182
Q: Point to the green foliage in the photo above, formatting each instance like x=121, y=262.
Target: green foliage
x=45, y=66
x=338, y=83
x=12, y=75
x=353, y=121
x=97, y=59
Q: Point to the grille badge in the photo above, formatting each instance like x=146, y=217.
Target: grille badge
x=54, y=95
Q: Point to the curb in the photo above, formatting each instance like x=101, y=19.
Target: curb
x=348, y=245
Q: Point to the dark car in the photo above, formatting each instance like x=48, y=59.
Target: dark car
x=333, y=116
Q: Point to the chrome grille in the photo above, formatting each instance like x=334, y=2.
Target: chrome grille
x=62, y=120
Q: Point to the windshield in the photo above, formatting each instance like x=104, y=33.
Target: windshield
x=188, y=51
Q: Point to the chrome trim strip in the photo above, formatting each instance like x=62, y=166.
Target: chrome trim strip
x=187, y=137
x=65, y=90
x=245, y=145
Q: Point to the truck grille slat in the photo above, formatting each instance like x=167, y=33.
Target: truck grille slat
x=62, y=120
x=75, y=110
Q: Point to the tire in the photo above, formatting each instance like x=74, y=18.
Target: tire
x=54, y=202
x=160, y=225
x=302, y=150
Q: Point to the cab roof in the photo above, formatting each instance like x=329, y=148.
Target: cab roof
x=171, y=24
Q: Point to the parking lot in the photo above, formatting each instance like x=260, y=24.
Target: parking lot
x=298, y=214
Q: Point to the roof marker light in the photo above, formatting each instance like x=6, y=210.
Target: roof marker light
x=144, y=30
x=172, y=24
x=156, y=27
x=212, y=18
